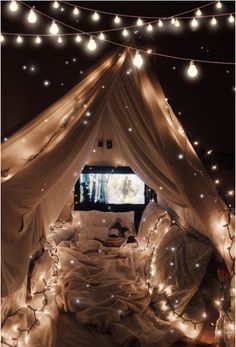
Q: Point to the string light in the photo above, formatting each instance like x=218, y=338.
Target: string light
x=56, y=4
x=198, y=12
x=194, y=23
x=54, y=30
x=149, y=27
x=78, y=38
x=19, y=39
x=218, y=5
x=2, y=38
x=172, y=21
x=138, y=60
x=91, y=44
x=125, y=32
x=139, y=22
x=117, y=20
x=217, y=181
x=192, y=70
x=95, y=16
x=59, y=40
x=177, y=23
x=13, y=6
x=213, y=21
x=32, y=18
x=160, y=23
x=37, y=40
x=230, y=193
x=101, y=36
x=76, y=11
x=231, y=18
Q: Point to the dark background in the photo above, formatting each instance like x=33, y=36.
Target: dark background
x=206, y=103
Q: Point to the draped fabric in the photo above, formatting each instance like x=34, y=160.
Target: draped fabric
x=42, y=162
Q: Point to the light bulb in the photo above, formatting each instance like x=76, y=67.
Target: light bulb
x=218, y=5
x=91, y=44
x=32, y=18
x=95, y=16
x=149, y=27
x=172, y=21
x=231, y=19
x=19, y=39
x=177, y=23
x=2, y=38
x=139, y=22
x=160, y=23
x=54, y=30
x=13, y=6
x=37, y=40
x=138, y=60
x=213, y=21
x=78, y=38
x=192, y=70
x=55, y=4
x=59, y=40
x=194, y=23
x=198, y=12
x=125, y=32
x=101, y=36
x=117, y=20
x=76, y=11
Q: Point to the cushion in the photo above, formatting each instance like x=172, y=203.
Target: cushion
x=102, y=219
x=66, y=232
x=153, y=216
x=90, y=232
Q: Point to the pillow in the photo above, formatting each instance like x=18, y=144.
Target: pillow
x=152, y=216
x=61, y=234
x=90, y=232
x=102, y=219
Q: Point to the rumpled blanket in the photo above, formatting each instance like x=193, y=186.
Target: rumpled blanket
x=106, y=288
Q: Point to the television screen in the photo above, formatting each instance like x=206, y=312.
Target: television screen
x=111, y=188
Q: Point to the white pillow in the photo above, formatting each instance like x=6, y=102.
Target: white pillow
x=90, y=232
x=153, y=215
x=99, y=218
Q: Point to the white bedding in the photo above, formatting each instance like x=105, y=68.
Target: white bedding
x=106, y=290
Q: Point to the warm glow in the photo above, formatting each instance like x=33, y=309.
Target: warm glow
x=55, y=4
x=217, y=181
x=194, y=23
x=177, y=23
x=91, y=44
x=125, y=32
x=230, y=193
x=54, y=30
x=32, y=18
x=59, y=40
x=172, y=21
x=192, y=70
x=138, y=60
x=13, y=6
x=37, y=40
x=198, y=12
x=2, y=38
x=149, y=27
x=117, y=20
x=76, y=11
x=101, y=36
x=213, y=21
x=19, y=39
x=218, y=5
x=78, y=38
x=231, y=19
x=95, y=16
x=214, y=167
x=139, y=22
x=160, y=23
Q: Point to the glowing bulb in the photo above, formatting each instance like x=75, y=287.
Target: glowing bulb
x=231, y=19
x=117, y=20
x=180, y=156
x=32, y=18
x=214, y=167
x=177, y=23
x=78, y=38
x=138, y=60
x=172, y=21
x=139, y=22
x=230, y=193
x=2, y=38
x=218, y=5
x=55, y=4
x=101, y=36
x=54, y=30
x=192, y=70
x=149, y=27
x=13, y=6
x=91, y=44
x=213, y=21
x=201, y=196
x=217, y=181
x=76, y=11
x=19, y=39
x=125, y=32
x=95, y=16
x=59, y=40
x=194, y=23
x=209, y=152
x=198, y=12
x=196, y=143
x=160, y=23
x=37, y=40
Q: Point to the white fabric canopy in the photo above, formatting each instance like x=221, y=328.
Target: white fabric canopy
x=42, y=162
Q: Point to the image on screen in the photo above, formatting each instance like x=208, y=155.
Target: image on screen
x=111, y=188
